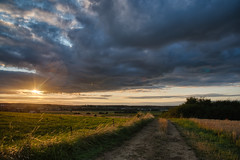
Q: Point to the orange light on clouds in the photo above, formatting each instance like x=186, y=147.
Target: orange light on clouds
x=30, y=92
x=36, y=91
x=165, y=96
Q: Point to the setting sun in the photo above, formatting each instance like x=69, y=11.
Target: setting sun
x=36, y=91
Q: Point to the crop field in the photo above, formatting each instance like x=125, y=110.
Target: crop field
x=212, y=139
x=103, y=113
x=227, y=126
x=26, y=135
x=15, y=127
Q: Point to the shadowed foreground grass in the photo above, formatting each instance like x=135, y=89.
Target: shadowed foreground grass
x=208, y=143
x=81, y=143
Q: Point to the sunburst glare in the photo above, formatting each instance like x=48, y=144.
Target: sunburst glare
x=36, y=91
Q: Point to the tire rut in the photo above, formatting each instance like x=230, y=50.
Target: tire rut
x=151, y=143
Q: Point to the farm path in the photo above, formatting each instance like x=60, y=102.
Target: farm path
x=153, y=144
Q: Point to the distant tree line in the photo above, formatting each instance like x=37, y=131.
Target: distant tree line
x=205, y=108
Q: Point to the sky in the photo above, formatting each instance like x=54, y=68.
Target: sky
x=131, y=52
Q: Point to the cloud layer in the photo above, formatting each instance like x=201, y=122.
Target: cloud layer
x=92, y=45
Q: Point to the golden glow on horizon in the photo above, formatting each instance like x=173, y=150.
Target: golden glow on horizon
x=165, y=96
x=36, y=91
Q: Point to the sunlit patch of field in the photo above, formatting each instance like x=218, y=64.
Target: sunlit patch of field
x=52, y=135
x=227, y=126
x=93, y=113
x=103, y=113
x=211, y=139
x=15, y=127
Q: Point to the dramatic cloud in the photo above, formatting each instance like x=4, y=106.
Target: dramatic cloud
x=91, y=45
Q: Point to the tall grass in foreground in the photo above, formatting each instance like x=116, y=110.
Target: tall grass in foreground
x=79, y=144
x=15, y=127
x=226, y=127
x=208, y=143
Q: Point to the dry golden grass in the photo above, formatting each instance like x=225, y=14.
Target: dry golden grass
x=219, y=125
x=211, y=139
x=112, y=128
x=163, y=125
x=226, y=126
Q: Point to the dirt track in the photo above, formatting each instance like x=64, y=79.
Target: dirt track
x=153, y=144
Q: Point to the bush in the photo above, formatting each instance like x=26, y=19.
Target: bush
x=205, y=108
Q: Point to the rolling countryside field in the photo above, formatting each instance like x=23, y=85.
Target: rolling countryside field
x=58, y=136
x=139, y=136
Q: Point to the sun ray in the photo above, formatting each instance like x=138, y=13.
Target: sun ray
x=36, y=91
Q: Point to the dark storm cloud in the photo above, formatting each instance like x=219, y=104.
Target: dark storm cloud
x=155, y=23
x=91, y=45
x=17, y=81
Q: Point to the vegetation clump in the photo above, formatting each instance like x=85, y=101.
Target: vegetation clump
x=205, y=108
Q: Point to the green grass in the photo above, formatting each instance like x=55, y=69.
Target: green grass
x=16, y=126
x=208, y=144
x=49, y=136
x=92, y=113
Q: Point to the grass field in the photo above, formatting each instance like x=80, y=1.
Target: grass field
x=210, y=142
x=16, y=126
x=54, y=136
x=109, y=113
x=227, y=126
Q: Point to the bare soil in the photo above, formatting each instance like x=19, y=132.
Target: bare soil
x=153, y=144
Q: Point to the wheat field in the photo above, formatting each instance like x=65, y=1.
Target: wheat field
x=219, y=125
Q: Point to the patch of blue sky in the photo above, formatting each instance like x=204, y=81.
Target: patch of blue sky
x=16, y=69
